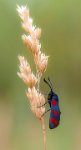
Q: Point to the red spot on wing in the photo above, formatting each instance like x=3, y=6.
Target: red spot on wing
x=52, y=111
x=53, y=120
x=53, y=102
x=55, y=112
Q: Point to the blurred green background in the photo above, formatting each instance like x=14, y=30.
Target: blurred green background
x=61, y=39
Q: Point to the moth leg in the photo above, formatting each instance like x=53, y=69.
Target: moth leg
x=46, y=112
x=43, y=104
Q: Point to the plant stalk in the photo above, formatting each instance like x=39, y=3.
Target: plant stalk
x=44, y=131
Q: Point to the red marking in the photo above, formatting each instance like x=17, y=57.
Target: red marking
x=55, y=112
x=52, y=111
x=53, y=102
x=53, y=120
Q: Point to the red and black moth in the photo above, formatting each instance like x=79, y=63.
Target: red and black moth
x=53, y=101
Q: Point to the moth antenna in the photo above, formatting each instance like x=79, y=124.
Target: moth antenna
x=50, y=82
x=47, y=83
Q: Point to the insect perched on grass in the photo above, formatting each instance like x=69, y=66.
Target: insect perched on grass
x=53, y=101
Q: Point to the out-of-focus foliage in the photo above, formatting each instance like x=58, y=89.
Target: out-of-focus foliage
x=61, y=39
